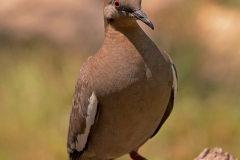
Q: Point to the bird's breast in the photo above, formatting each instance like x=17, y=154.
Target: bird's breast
x=128, y=118
x=112, y=74
x=132, y=107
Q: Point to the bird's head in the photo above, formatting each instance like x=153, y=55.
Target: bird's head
x=123, y=12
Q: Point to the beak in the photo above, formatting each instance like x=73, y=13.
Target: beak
x=143, y=17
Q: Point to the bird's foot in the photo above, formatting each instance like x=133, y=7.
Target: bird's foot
x=135, y=156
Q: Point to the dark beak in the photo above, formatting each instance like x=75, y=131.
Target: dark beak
x=143, y=17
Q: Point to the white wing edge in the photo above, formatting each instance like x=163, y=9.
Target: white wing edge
x=92, y=110
x=175, y=83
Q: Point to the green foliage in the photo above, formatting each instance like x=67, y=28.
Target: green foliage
x=232, y=3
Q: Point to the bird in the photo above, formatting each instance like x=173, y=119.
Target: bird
x=124, y=92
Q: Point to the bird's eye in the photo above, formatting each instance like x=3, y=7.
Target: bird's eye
x=117, y=4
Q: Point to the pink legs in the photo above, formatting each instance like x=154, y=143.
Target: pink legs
x=135, y=156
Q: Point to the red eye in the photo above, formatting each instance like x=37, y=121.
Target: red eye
x=117, y=4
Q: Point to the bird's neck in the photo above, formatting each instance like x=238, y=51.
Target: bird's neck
x=130, y=35
x=124, y=29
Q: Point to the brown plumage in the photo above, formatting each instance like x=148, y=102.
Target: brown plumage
x=124, y=93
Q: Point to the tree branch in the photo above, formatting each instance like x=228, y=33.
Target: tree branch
x=214, y=154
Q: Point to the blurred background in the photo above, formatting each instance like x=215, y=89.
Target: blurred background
x=44, y=43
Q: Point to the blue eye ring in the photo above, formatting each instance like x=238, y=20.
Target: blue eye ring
x=118, y=5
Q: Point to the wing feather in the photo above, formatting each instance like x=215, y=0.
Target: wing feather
x=171, y=100
x=82, y=117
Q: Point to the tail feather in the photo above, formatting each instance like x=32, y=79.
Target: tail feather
x=75, y=155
